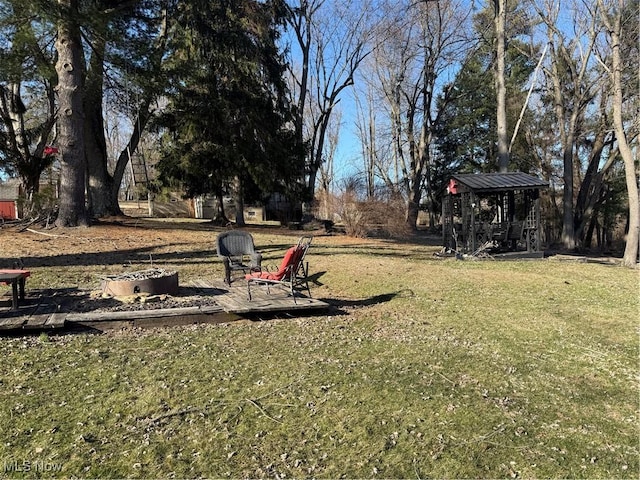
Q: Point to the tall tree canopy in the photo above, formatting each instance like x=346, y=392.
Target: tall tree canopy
x=228, y=120
x=215, y=71
x=467, y=135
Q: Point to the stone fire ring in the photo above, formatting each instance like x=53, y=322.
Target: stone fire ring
x=151, y=282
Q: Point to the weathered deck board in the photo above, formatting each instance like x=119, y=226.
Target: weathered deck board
x=235, y=298
x=56, y=320
x=140, y=314
x=147, y=318
x=12, y=323
x=36, y=322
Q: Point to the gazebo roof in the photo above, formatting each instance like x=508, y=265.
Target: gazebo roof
x=493, y=182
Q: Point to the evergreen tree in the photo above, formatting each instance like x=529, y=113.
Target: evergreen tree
x=467, y=139
x=228, y=119
x=119, y=64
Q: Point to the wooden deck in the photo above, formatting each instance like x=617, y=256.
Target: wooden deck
x=46, y=310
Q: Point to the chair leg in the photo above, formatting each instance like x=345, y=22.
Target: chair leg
x=305, y=278
x=227, y=271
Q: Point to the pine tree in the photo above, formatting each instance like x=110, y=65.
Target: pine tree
x=121, y=43
x=467, y=136
x=227, y=122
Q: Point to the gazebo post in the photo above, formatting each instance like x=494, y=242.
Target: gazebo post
x=472, y=203
x=537, y=210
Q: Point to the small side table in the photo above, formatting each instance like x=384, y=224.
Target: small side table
x=17, y=279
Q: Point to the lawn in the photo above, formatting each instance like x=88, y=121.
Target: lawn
x=423, y=367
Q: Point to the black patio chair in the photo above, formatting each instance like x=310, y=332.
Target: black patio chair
x=237, y=251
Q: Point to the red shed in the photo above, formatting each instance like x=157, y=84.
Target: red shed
x=9, y=193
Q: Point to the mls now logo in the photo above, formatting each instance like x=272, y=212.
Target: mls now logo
x=28, y=466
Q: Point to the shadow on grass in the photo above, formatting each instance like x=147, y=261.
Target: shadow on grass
x=342, y=307
x=337, y=308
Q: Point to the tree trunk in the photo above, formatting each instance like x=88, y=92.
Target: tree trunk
x=501, y=89
x=70, y=118
x=409, y=178
x=219, y=217
x=568, y=228
x=630, y=257
x=570, y=106
x=99, y=180
x=140, y=122
x=413, y=207
x=238, y=197
x=418, y=168
x=590, y=188
x=301, y=21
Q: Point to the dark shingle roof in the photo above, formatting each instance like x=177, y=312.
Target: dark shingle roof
x=487, y=182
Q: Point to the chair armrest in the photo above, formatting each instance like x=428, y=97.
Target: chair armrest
x=256, y=259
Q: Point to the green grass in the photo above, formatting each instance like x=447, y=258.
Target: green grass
x=425, y=368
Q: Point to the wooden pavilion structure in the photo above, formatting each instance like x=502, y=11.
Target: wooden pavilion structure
x=492, y=212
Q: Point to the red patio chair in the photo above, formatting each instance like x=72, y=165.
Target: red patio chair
x=292, y=273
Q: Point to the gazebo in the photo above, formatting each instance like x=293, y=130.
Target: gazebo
x=492, y=211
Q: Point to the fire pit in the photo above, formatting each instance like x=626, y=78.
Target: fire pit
x=153, y=282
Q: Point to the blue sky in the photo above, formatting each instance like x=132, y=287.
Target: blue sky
x=347, y=160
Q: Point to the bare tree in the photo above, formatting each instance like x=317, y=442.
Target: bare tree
x=572, y=87
x=366, y=126
x=424, y=42
x=27, y=121
x=611, y=13
x=331, y=42
x=326, y=171
x=387, y=78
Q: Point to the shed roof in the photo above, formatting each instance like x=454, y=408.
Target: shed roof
x=488, y=182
